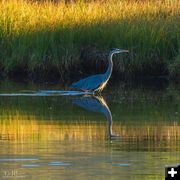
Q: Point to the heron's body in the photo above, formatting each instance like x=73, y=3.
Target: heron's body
x=91, y=83
x=99, y=81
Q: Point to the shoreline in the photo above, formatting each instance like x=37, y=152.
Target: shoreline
x=84, y=68
x=119, y=78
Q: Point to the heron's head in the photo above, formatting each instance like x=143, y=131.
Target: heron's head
x=116, y=51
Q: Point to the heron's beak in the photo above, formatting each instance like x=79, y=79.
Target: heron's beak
x=125, y=50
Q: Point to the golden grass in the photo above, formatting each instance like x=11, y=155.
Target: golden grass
x=33, y=34
x=17, y=16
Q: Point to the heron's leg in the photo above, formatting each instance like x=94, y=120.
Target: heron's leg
x=97, y=93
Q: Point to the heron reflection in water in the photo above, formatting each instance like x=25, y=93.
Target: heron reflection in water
x=97, y=104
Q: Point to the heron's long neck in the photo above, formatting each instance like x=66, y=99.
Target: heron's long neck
x=108, y=115
x=110, y=67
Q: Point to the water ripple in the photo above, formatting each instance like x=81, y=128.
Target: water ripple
x=59, y=164
x=47, y=93
x=18, y=159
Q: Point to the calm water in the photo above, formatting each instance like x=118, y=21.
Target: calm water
x=128, y=133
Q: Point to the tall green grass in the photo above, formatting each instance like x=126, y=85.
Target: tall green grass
x=46, y=38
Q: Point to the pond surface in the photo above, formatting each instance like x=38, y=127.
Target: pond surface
x=129, y=132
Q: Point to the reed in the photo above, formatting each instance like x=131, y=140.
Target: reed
x=41, y=38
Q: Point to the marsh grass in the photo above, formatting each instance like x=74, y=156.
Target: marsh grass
x=42, y=38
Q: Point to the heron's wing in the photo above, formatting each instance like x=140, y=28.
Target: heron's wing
x=89, y=83
x=90, y=103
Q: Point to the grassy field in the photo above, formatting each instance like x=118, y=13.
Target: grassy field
x=48, y=39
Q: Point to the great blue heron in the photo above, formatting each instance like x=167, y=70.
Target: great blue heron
x=98, y=82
